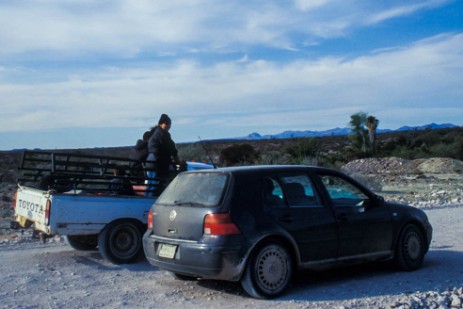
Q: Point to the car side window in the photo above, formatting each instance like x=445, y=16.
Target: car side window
x=342, y=192
x=273, y=194
x=299, y=191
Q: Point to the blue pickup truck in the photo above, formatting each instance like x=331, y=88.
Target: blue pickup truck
x=75, y=196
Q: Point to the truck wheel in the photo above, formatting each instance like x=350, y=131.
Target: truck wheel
x=82, y=242
x=120, y=242
x=268, y=271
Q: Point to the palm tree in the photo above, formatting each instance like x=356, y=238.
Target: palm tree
x=372, y=124
x=358, y=136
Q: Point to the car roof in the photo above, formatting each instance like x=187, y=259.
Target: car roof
x=265, y=168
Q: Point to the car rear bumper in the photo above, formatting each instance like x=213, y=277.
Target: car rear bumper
x=202, y=260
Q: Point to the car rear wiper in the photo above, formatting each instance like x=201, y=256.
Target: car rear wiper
x=187, y=203
x=183, y=203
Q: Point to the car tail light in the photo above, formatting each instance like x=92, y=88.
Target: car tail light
x=219, y=224
x=150, y=219
x=47, y=212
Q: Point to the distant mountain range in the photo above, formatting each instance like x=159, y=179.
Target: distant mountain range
x=340, y=131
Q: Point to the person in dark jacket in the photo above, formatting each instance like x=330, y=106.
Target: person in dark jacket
x=120, y=185
x=139, y=154
x=162, y=151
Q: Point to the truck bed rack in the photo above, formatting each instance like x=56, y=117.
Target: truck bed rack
x=82, y=173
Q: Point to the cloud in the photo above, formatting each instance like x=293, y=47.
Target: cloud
x=126, y=29
x=404, y=10
x=242, y=94
x=307, y=5
x=220, y=68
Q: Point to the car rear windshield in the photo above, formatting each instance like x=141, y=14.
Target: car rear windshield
x=195, y=189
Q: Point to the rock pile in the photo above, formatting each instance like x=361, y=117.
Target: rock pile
x=379, y=166
x=399, y=166
x=439, y=166
x=432, y=299
x=423, y=183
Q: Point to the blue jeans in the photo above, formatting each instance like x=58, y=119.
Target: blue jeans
x=151, y=183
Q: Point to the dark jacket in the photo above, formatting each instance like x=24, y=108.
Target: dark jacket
x=139, y=153
x=121, y=186
x=161, y=150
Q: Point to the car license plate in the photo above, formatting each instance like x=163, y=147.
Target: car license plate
x=167, y=251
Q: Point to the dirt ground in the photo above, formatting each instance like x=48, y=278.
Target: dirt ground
x=53, y=275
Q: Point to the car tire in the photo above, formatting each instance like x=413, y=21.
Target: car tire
x=82, y=242
x=268, y=271
x=120, y=242
x=410, y=250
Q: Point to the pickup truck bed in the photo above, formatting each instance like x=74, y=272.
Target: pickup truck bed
x=77, y=214
x=73, y=196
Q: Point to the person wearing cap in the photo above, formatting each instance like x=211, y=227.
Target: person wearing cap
x=162, y=150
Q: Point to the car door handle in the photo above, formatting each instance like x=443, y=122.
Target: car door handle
x=343, y=217
x=286, y=219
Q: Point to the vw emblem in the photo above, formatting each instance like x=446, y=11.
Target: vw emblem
x=173, y=215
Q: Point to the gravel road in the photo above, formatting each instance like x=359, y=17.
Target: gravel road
x=52, y=275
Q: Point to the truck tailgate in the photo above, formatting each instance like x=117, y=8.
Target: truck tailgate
x=31, y=205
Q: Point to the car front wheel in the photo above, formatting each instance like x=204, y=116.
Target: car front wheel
x=268, y=271
x=410, y=250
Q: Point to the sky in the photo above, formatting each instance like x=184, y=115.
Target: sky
x=99, y=73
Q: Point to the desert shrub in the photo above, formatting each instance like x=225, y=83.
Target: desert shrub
x=459, y=143
x=303, y=150
x=8, y=177
x=334, y=159
x=410, y=153
x=446, y=150
x=313, y=161
x=273, y=158
x=424, y=144
x=193, y=152
x=428, y=138
x=238, y=155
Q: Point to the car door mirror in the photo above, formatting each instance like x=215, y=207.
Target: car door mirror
x=376, y=201
x=379, y=200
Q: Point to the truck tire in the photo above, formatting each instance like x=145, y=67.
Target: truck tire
x=120, y=242
x=82, y=242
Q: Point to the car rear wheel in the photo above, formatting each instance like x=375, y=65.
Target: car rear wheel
x=268, y=271
x=82, y=242
x=410, y=250
x=121, y=242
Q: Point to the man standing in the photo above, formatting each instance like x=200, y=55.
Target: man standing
x=162, y=151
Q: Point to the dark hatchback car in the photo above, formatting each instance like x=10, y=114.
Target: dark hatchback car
x=259, y=224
